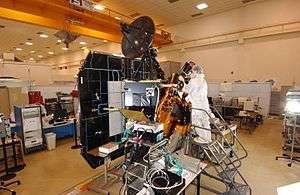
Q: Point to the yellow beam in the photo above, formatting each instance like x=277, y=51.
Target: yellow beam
x=56, y=24
x=54, y=14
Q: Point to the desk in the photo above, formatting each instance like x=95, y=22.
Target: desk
x=229, y=112
x=61, y=130
x=250, y=119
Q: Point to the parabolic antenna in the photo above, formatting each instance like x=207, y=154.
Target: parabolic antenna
x=138, y=37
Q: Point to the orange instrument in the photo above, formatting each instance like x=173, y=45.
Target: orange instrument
x=174, y=111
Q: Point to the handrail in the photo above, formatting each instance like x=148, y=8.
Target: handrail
x=238, y=159
x=219, y=130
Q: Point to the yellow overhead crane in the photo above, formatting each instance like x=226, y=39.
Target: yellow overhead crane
x=59, y=14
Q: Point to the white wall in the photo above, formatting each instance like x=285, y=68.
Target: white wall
x=252, y=90
x=35, y=73
x=259, y=14
x=274, y=57
x=49, y=91
x=73, y=59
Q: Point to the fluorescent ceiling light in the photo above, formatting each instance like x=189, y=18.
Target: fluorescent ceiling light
x=82, y=43
x=31, y=59
x=44, y=36
x=32, y=51
x=64, y=48
x=50, y=52
x=19, y=49
x=40, y=56
x=99, y=7
x=105, y=41
x=202, y=6
x=117, y=18
x=58, y=41
x=28, y=43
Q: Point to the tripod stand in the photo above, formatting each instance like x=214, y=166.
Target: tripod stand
x=7, y=176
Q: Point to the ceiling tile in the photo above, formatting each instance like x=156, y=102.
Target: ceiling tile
x=169, y=14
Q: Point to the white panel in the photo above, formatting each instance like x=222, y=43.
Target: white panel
x=115, y=99
x=213, y=89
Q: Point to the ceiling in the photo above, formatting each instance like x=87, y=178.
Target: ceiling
x=165, y=13
x=14, y=35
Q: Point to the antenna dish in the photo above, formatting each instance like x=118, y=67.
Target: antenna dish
x=138, y=37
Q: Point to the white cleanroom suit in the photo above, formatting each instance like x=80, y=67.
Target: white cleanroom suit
x=197, y=90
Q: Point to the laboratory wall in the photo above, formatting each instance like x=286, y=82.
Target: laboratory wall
x=30, y=73
x=65, y=67
x=261, y=58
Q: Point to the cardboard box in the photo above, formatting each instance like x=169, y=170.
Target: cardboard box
x=10, y=97
x=4, y=101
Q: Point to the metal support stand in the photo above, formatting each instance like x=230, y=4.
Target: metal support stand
x=76, y=146
x=289, y=148
x=198, y=184
x=103, y=182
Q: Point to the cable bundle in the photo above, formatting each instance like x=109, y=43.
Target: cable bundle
x=158, y=179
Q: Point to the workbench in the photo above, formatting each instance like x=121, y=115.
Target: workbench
x=249, y=120
x=61, y=130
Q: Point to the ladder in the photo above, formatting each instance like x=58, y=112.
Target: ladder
x=225, y=160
